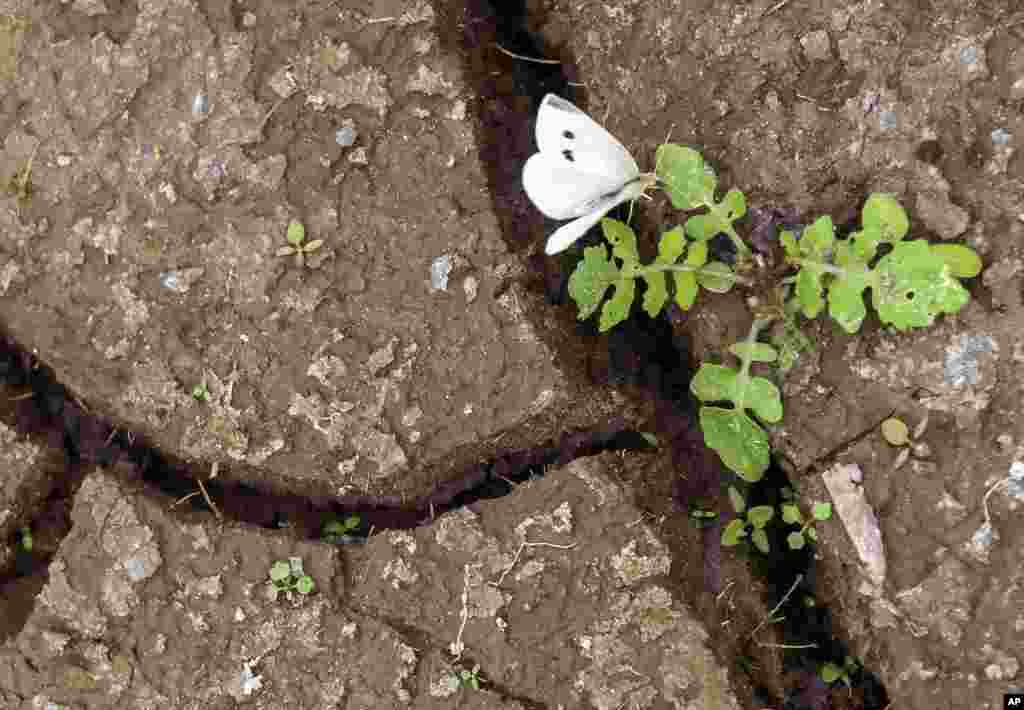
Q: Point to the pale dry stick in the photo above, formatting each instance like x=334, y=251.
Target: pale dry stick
x=775, y=8
x=519, y=552
x=377, y=20
x=526, y=59
x=990, y=491
x=178, y=502
x=782, y=601
x=815, y=102
x=787, y=645
x=725, y=590
x=20, y=397
x=457, y=647
x=206, y=496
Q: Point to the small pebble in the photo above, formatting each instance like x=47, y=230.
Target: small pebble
x=200, y=105
x=968, y=55
x=887, y=120
x=346, y=135
x=440, y=268
x=249, y=19
x=1001, y=136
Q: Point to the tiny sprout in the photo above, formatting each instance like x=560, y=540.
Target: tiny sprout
x=830, y=672
x=469, y=678
x=25, y=541
x=338, y=532
x=791, y=515
x=297, y=245
x=201, y=393
x=753, y=523
x=288, y=576
x=20, y=184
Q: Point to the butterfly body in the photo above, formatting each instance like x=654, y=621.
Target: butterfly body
x=580, y=173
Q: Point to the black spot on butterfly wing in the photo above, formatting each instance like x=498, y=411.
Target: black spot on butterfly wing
x=567, y=154
x=568, y=135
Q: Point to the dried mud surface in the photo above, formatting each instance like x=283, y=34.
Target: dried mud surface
x=172, y=141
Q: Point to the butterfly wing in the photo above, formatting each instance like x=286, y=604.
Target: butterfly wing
x=561, y=191
x=565, y=130
x=566, y=235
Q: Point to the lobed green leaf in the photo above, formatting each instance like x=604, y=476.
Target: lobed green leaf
x=688, y=182
x=913, y=284
x=593, y=276
x=296, y=232
x=616, y=308
x=760, y=515
x=883, y=214
x=760, y=540
x=963, y=262
x=795, y=540
x=739, y=441
x=755, y=352
x=791, y=514
x=765, y=399
x=736, y=498
x=714, y=383
x=733, y=532
x=716, y=277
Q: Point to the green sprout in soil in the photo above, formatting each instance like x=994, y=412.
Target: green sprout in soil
x=791, y=514
x=20, y=184
x=739, y=440
x=831, y=673
x=25, y=539
x=288, y=576
x=297, y=245
x=469, y=679
x=338, y=531
x=750, y=522
x=201, y=393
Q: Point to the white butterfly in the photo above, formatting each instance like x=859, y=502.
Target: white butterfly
x=580, y=173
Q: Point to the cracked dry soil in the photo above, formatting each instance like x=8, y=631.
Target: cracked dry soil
x=171, y=142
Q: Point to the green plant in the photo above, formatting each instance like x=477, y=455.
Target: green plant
x=288, y=576
x=468, y=678
x=201, y=393
x=25, y=539
x=297, y=245
x=739, y=440
x=750, y=522
x=830, y=672
x=791, y=514
x=338, y=531
x=911, y=282
x=599, y=271
x=20, y=184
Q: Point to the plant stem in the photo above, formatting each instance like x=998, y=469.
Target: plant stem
x=745, y=363
x=694, y=269
x=827, y=268
x=742, y=249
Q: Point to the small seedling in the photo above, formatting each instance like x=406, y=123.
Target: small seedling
x=739, y=440
x=338, y=532
x=201, y=393
x=830, y=672
x=25, y=539
x=791, y=514
x=753, y=523
x=288, y=576
x=702, y=517
x=469, y=678
x=20, y=184
x=297, y=245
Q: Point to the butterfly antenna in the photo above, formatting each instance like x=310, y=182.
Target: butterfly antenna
x=657, y=163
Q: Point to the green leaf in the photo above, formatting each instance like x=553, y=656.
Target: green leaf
x=963, y=262
x=686, y=288
x=791, y=514
x=765, y=399
x=816, y=240
x=830, y=673
x=593, y=276
x=739, y=441
x=671, y=246
x=809, y=290
x=736, y=498
x=913, y=284
x=656, y=295
x=701, y=227
x=735, y=204
x=896, y=431
x=789, y=243
x=883, y=213
x=688, y=182
x=616, y=308
x=755, y=352
x=846, y=300
x=795, y=541
x=813, y=534
x=280, y=571
x=697, y=255
x=650, y=438
x=822, y=511
x=296, y=232
x=760, y=515
x=709, y=278
x=732, y=533
x=760, y=539
x=623, y=240
x=714, y=383
x=304, y=585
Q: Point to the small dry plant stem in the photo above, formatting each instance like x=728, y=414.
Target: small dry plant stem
x=520, y=552
x=771, y=615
